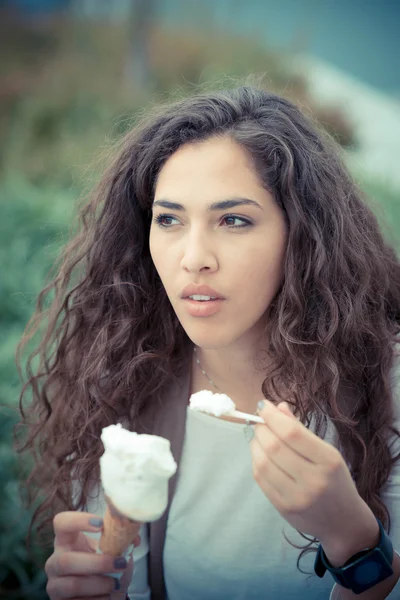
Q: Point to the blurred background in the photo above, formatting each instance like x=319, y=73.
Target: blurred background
x=75, y=73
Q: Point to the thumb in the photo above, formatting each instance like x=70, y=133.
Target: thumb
x=285, y=408
x=124, y=582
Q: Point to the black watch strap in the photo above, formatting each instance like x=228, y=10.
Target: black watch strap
x=347, y=576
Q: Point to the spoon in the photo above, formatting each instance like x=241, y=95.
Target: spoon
x=247, y=417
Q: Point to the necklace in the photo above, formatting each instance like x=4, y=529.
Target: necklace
x=247, y=430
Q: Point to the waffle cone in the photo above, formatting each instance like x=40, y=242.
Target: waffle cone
x=118, y=531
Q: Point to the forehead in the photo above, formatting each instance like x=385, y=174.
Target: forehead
x=218, y=160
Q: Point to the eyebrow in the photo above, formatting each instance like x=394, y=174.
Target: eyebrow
x=223, y=205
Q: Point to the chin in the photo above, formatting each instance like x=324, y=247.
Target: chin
x=209, y=342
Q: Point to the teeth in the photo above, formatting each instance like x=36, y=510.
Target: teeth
x=194, y=297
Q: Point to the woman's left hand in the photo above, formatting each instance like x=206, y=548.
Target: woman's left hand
x=305, y=478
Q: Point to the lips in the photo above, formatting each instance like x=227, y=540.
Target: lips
x=200, y=290
x=203, y=309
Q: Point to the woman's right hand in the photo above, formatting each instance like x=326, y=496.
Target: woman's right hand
x=74, y=570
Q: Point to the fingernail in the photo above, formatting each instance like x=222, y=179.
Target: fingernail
x=261, y=405
x=96, y=522
x=120, y=563
x=117, y=584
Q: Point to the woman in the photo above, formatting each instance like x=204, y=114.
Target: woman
x=232, y=195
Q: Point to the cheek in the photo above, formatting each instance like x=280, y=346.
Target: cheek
x=151, y=242
x=162, y=260
x=262, y=264
x=155, y=247
x=263, y=272
x=156, y=255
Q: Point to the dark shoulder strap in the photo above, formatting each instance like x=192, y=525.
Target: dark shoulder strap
x=168, y=420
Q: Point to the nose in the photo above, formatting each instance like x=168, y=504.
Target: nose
x=198, y=253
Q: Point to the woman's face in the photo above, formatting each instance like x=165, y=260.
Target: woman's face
x=193, y=244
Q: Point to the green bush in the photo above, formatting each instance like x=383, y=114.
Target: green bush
x=32, y=227
x=384, y=200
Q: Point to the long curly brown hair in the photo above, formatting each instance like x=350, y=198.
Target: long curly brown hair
x=111, y=339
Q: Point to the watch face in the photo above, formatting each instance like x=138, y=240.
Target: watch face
x=368, y=572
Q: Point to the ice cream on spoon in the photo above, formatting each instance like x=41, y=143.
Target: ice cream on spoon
x=218, y=405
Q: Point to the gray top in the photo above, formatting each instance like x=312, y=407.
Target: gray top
x=223, y=537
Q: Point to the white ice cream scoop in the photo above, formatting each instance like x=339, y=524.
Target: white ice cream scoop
x=135, y=469
x=219, y=404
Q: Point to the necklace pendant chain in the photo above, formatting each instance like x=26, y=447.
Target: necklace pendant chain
x=203, y=371
x=248, y=429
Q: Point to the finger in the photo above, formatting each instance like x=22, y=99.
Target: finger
x=285, y=408
x=61, y=564
x=124, y=582
x=260, y=469
x=92, y=544
x=76, y=586
x=294, y=434
x=137, y=541
x=69, y=524
x=284, y=458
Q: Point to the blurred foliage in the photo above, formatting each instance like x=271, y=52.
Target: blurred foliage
x=33, y=227
x=383, y=199
x=67, y=89
x=68, y=82
x=21, y=569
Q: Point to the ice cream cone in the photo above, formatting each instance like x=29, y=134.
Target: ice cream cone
x=118, y=531
x=134, y=469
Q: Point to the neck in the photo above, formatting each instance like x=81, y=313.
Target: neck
x=238, y=373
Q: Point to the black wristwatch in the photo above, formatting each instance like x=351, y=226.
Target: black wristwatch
x=363, y=570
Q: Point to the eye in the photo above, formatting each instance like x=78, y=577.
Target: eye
x=160, y=218
x=245, y=222
x=164, y=221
